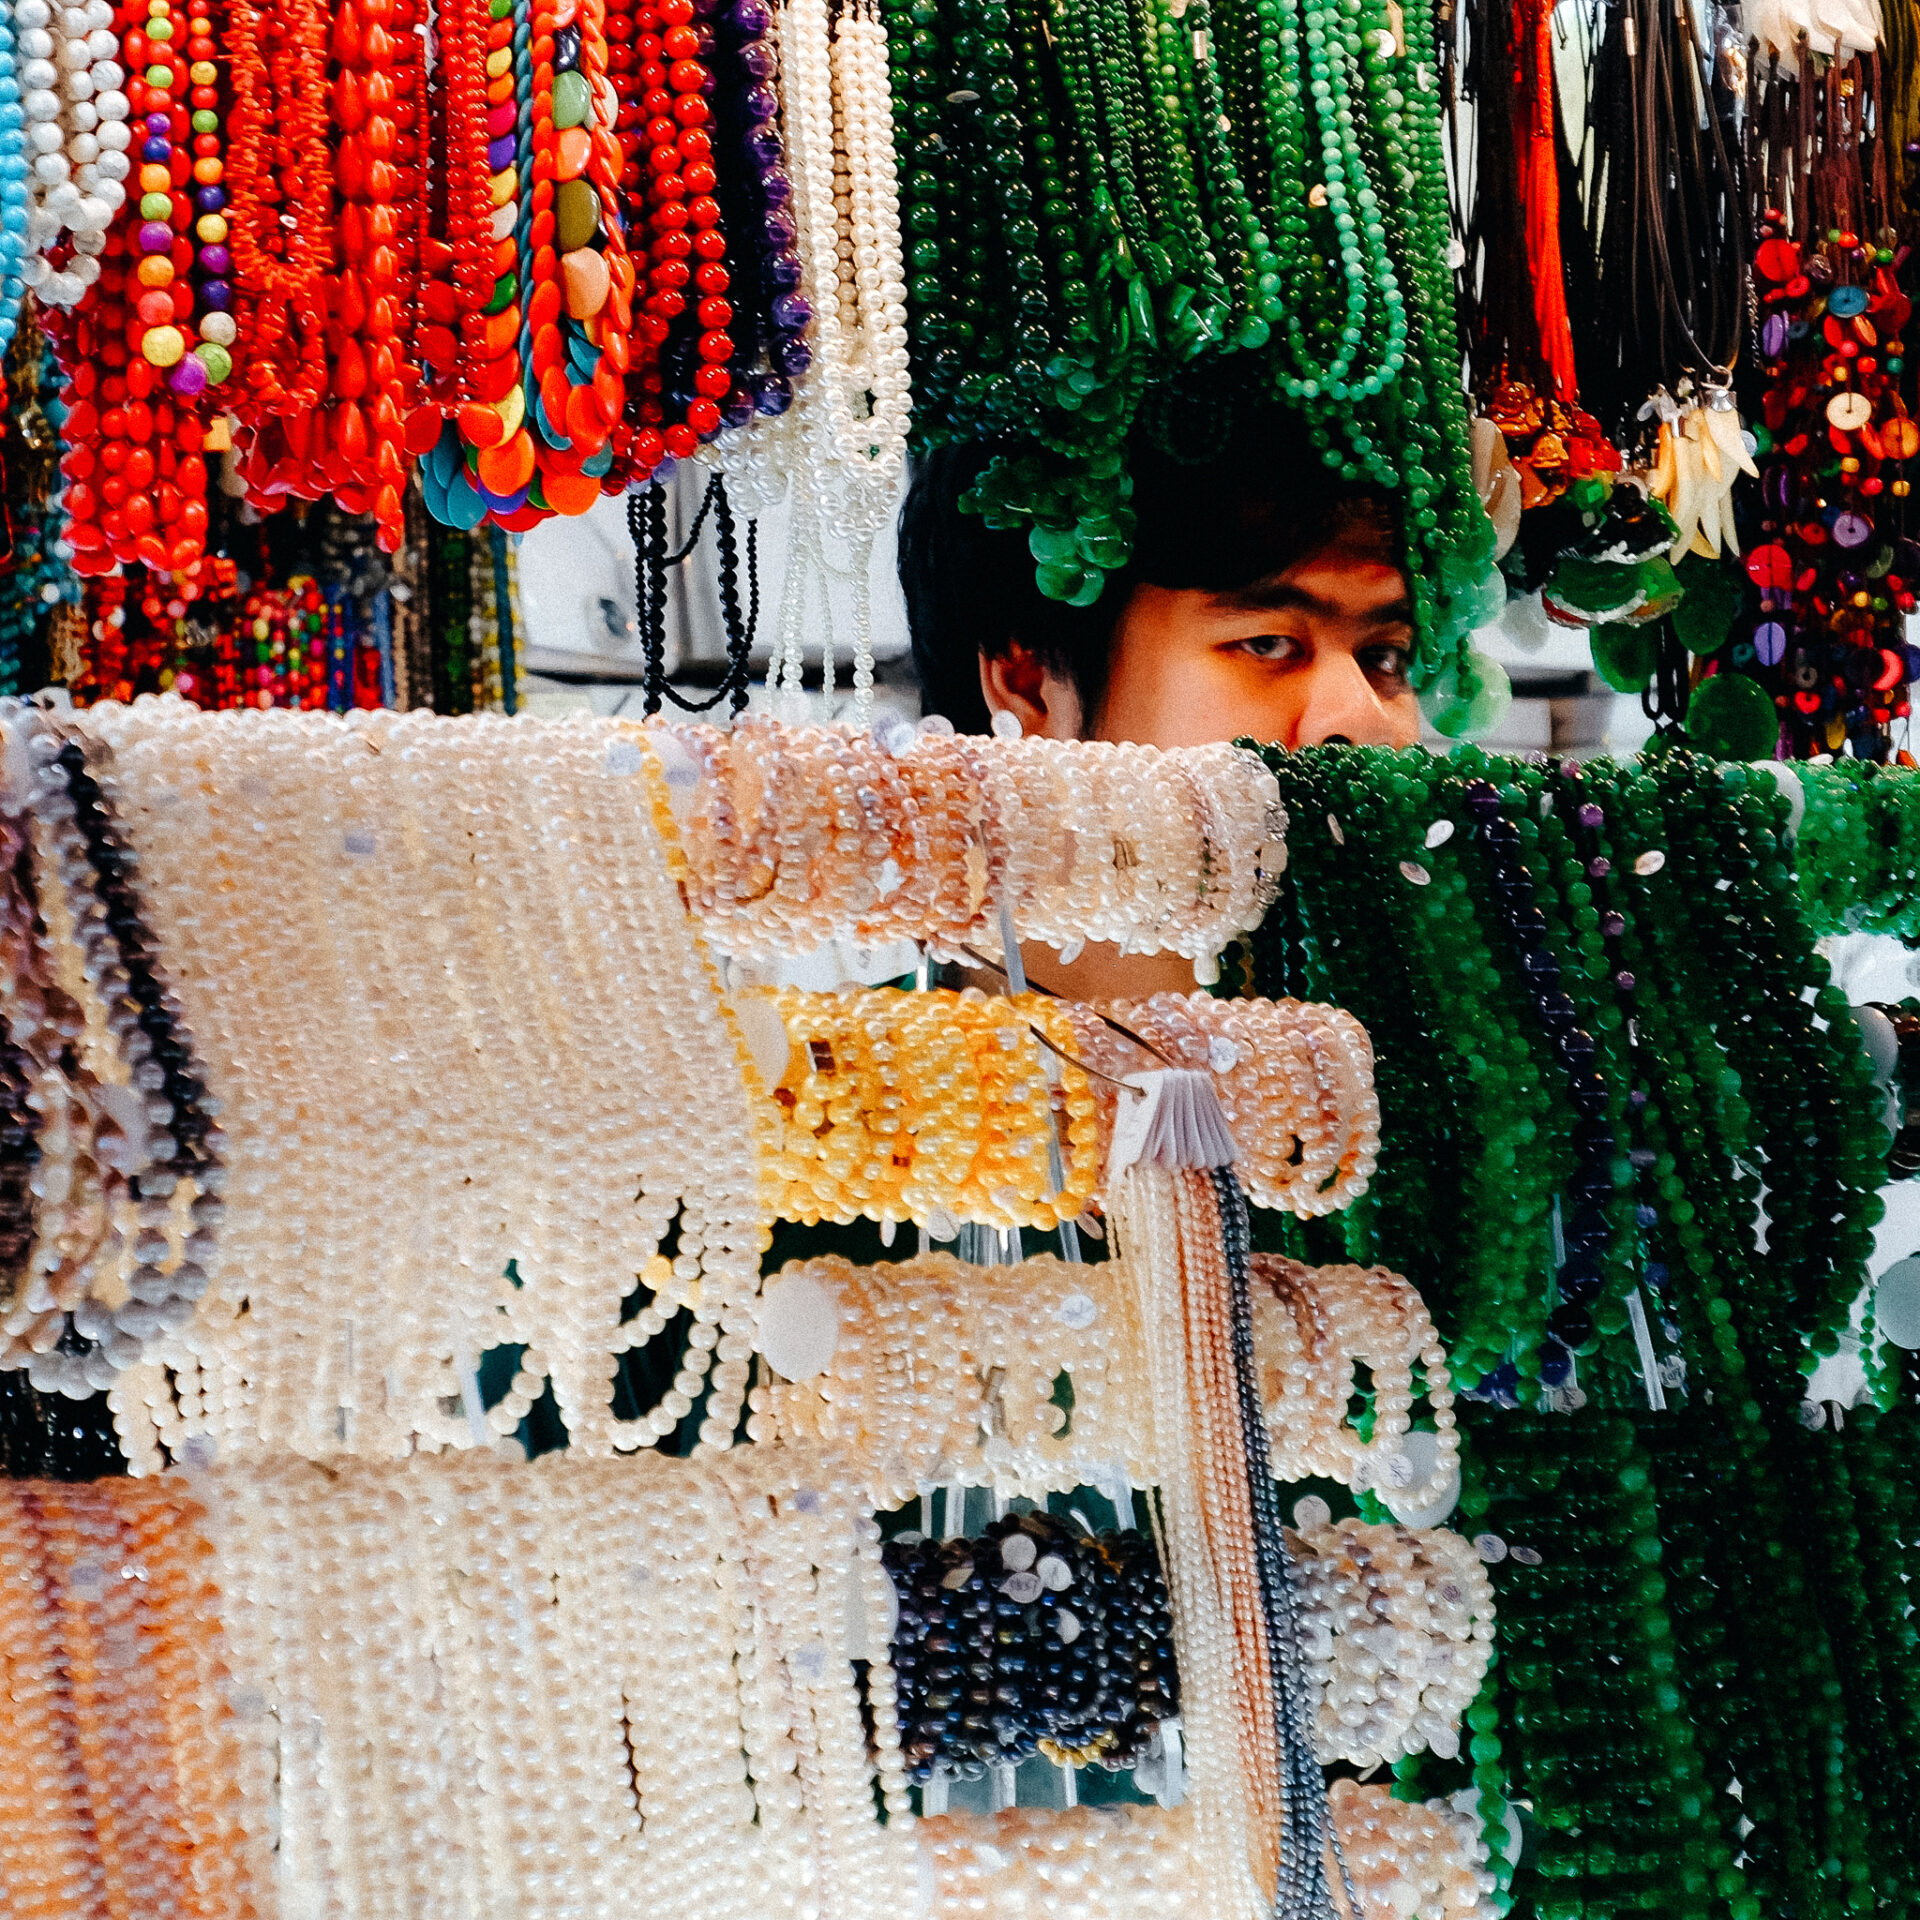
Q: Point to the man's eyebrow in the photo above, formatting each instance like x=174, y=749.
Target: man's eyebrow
x=1280, y=596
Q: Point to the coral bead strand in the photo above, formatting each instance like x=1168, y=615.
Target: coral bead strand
x=279, y=179
x=687, y=273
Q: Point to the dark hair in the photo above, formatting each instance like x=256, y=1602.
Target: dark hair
x=1257, y=509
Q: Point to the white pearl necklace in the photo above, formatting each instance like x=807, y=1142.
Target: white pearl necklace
x=847, y=446
x=77, y=138
x=519, y=1031
x=465, y=1686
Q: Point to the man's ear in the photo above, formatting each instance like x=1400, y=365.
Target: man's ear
x=1019, y=683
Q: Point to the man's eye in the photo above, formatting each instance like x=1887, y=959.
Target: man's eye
x=1385, y=663
x=1268, y=646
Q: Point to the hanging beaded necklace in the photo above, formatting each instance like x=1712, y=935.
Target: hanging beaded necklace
x=14, y=190
x=647, y=523
x=1204, y=181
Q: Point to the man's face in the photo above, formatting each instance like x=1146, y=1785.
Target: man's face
x=1314, y=654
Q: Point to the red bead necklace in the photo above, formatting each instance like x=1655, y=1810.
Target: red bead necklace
x=279, y=163
x=672, y=201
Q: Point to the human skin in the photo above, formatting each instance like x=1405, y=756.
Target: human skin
x=1309, y=657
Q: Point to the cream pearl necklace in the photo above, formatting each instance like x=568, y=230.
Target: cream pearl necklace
x=540, y=1686
x=851, y=412
x=1225, y=1682
x=488, y=910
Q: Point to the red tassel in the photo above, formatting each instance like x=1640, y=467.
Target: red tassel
x=1539, y=176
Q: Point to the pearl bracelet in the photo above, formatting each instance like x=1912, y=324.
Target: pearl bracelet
x=930, y=1107
x=936, y=1370
x=798, y=836
x=1311, y=1324
x=1397, y=1625
x=1030, y=1638
x=1294, y=1078
x=861, y=1139
x=930, y=1369
x=1409, y=1860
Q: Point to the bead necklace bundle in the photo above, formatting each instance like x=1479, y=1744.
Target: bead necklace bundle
x=1598, y=1675
x=800, y=836
x=512, y=266
x=324, y=620
x=1545, y=466
x=1310, y=1325
x=212, y=1682
x=131, y=1775
x=297, y=848
x=112, y=1241
x=1113, y=207
x=15, y=164
x=1072, y=1632
x=1857, y=847
x=568, y=1609
x=926, y=1107
x=1410, y=1861
x=1102, y=1862
x=846, y=439
x=1260, y=1798
x=1661, y=211
x=647, y=522
x=37, y=589
x=944, y=1372
x=1398, y=1625
x=1397, y=900
x=148, y=345
x=1675, y=890
x=77, y=135
x=1831, y=570
x=1509, y=276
